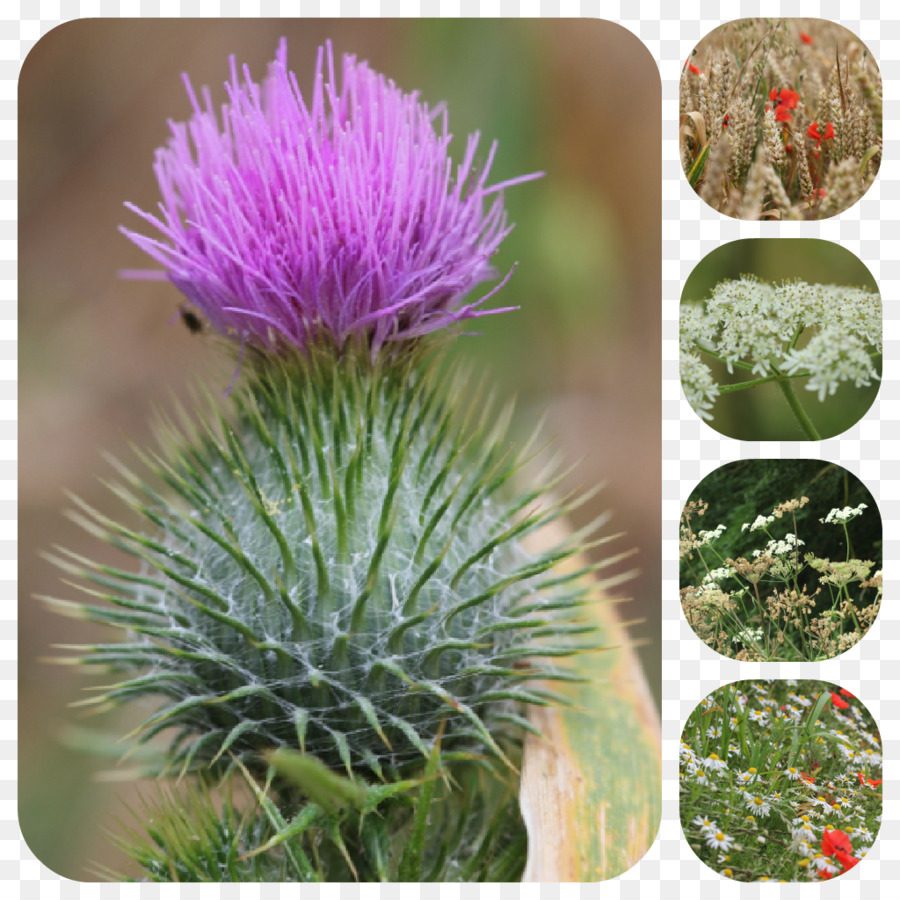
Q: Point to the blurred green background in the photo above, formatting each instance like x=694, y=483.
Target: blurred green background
x=578, y=100
x=761, y=413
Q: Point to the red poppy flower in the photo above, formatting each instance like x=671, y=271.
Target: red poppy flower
x=843, y=691
x=805, y=38
x=871, y=782
x=789, y=98
x=694, y=69
x=814, y=133
x=836, y=840
x=839, y=701
x=782, y=114
x=845, y=859
x=725, y=121
x=807, y=778
x=837, y=845
x=785, y=97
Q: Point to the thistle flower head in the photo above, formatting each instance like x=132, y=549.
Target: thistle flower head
x=341, y=572
x=342, y=217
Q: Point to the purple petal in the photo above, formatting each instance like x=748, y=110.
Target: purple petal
x=342, y=214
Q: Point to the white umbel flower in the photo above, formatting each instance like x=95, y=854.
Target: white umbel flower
x=828, y=333
x=699, y=386
x=841, y=516
x=830, y=358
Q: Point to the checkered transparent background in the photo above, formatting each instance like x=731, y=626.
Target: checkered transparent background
x=690, y=448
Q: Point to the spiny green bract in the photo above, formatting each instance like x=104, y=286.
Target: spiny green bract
x=433, y=829
x=339, y=569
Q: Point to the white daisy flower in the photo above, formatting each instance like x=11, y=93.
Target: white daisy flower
x=823, y=864
x=718, y=840
x=714, y=763
x=704, y=823
x=759, y=805
x=804, y=832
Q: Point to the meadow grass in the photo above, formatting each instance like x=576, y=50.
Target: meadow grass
x=780, y=781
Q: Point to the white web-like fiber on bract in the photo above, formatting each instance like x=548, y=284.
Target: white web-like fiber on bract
x=347, y=586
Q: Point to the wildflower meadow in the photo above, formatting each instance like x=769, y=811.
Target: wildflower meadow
x=794, y=580
x=781, y=119
x=781, y=781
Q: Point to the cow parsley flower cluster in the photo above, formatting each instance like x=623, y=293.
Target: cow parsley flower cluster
x=758, y=522
x=840, y=516
x=826, y=334
x=775, y=600
x=789, y=544
x=748, y=636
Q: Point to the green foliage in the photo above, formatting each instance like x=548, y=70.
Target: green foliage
x=784, y=580
x=432, y=828
x=739, y=491
x=189, y=836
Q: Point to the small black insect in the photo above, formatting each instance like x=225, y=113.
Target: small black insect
x=191, y=320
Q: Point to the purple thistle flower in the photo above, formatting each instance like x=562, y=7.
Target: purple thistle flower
x=342, y=217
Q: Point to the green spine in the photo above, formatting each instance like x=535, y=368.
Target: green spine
x=335, y=567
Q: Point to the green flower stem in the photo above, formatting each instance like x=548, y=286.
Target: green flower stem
x=797, y=567
x=762, y=617
x=796, y=337
x=800, y=652
x=804, y=626
x=850, y=606
x=731, y=388
x=721, y=359
x=799, y=413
